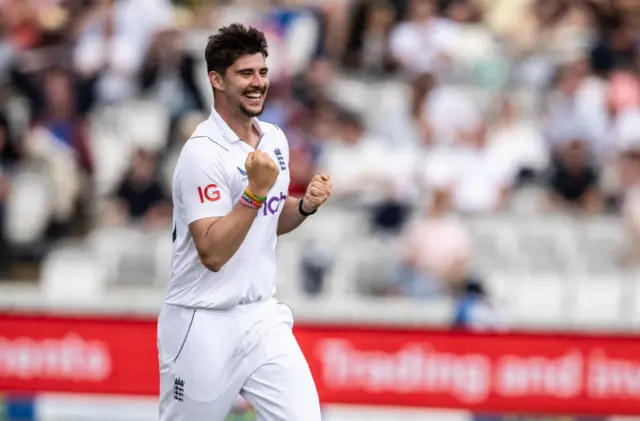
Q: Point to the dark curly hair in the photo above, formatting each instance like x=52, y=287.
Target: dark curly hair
x=232, y=42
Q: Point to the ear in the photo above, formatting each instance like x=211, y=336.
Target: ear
x=216, y=81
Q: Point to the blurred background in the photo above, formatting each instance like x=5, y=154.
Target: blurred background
x=485, y=155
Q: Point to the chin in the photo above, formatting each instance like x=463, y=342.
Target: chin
x=252, y=112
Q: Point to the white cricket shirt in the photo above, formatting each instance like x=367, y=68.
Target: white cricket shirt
x=209, y=178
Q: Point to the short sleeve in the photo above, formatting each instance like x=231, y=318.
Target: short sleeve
x=203, y=184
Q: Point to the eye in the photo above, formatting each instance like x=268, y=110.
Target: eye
x=264, y=72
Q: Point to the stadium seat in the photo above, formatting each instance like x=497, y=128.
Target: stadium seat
x=373, y=261
x=111, y=161
x=160, y=240
x=289, y=255
x=526, y=201
x=333, y=225
x=536, y=300
x=340, y=281
x=71, y=274
x=126, y=254
x=595, y=301
x=601, y=243
x=499, y=286
x=548, y=245
x=495, y=246
x=631, y=303
x=146, y=124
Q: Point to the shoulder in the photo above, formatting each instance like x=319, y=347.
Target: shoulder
x=203, y=150
x=200, y=146
x=275, y=133
x=270, y=129
x=206, y=139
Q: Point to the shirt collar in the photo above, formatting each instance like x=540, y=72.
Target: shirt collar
x=229, y=135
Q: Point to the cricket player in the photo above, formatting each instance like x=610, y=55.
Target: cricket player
x=220, y=331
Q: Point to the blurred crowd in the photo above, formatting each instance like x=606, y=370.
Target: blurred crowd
x=422, y=111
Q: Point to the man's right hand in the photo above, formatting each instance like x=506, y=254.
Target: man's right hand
x=262, y=172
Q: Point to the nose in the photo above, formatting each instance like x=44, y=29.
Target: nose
x=259, y=81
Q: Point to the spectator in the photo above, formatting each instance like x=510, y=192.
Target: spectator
x=518, y=139
x=356, y=161
x=481, y=177
x=574, y=179
x=185, y=128
x=578, y=107
x=451, y=115
x=20, y=23
x=60, y=119
x=112, y=45
x=168, y=75
x=472, y=45
x=421, y=44
x=366, y=173
x=310, y=87
x=140, y=197
x=475, y=309
x=58, y=139
x=617, y=46
x=436, y=251
x=368, y=46
x=335, y=14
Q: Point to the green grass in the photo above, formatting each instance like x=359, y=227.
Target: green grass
x=239, y=415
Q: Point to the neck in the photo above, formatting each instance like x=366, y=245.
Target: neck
x=241, y=125
x=59, y=112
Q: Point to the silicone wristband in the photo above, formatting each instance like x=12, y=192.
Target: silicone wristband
x=248, y=203
x=302, y=211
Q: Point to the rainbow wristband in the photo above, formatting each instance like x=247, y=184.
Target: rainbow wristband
x=254, y=198
x=250, y=200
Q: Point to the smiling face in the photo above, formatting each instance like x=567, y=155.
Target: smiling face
x=244, y=84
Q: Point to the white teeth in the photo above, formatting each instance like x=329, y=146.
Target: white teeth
x=254, y=96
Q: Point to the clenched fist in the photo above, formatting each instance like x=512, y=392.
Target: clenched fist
x=262, y=172
x=318, y=192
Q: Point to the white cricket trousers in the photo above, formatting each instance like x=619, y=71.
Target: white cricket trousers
x=208, y=357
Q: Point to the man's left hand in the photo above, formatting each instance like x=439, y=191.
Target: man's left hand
x=318, y=192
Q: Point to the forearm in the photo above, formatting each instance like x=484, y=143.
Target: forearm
x=290, y=218
x=223, y=237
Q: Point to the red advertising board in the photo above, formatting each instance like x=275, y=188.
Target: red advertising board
x=518, y=373
x=533, y=373
x=87, y=355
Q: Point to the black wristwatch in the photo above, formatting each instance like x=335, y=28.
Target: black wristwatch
x=302, y=212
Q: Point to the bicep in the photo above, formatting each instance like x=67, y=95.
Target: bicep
x=199, y=230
